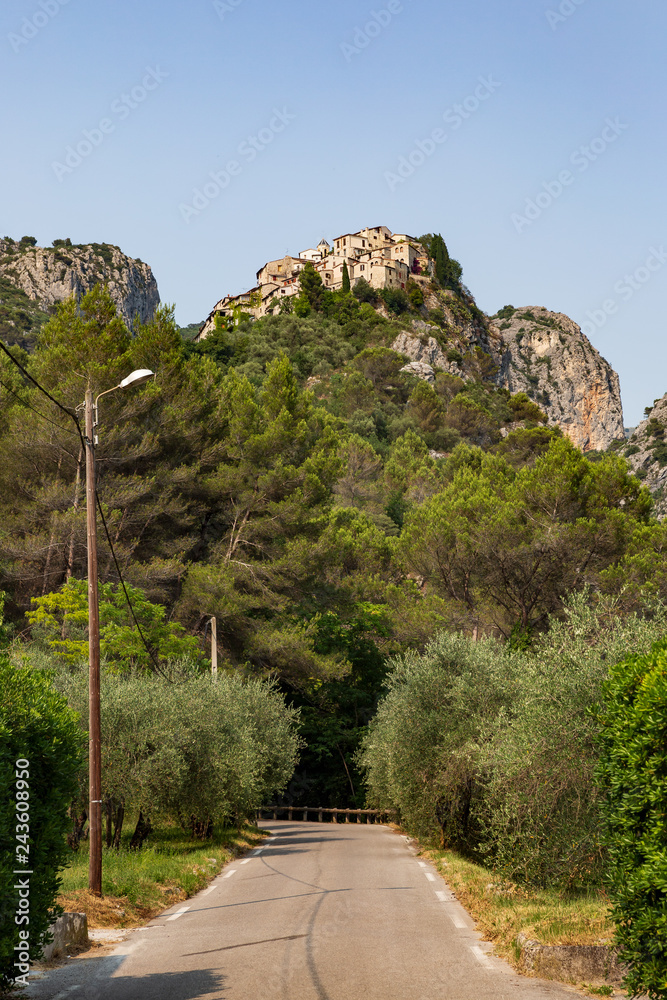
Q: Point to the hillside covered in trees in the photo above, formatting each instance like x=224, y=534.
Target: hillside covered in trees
x=302, y=480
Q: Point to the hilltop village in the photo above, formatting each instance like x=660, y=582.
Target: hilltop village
x=384, y=259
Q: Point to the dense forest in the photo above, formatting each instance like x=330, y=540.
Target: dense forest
x=330, y=509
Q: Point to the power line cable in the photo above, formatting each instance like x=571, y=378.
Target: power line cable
x=73, y=416
x=25, y=403
x=127, y=596
x=26, y=374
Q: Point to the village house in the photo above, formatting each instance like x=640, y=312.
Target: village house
x=383, y=259
x=280, y=270
x=319, y=253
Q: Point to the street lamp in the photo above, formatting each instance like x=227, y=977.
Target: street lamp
x=95, y=761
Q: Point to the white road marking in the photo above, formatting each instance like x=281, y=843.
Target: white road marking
x=481, y=956
x=210, y=889
x=179, y=913
x=422, y=864
x=258, y=850
x=245, y=861
x=431, y=877
x=130, y=948
x=66, y=993
x=442, y=896
x=230, y=873
x=461, y=924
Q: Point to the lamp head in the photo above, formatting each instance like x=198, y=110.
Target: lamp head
x=138, y=377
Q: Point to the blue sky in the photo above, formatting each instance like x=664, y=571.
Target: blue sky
x=547, y=182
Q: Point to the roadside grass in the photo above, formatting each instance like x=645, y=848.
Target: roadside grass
x=502, y=910
x=137, y=885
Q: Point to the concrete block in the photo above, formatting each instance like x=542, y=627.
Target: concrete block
x=70, y=929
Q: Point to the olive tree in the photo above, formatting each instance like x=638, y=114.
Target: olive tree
x=196, y=751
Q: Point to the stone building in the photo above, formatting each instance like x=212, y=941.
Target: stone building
x=383, y=259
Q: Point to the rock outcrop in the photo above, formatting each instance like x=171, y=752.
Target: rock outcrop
x=48, y=275
x=546, y=355
x=420, y=370
x=646, y=452
x=420, y=347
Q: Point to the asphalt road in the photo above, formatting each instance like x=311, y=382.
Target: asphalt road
x=320, y=912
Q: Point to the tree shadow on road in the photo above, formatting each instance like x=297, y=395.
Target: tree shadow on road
x=200, y=984
x=98, y=982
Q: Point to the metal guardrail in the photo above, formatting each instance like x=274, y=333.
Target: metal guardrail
x=301, y=813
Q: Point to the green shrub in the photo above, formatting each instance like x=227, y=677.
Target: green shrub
x=415, y=294
x=633, y=776
x=364, y=291
x=395, y=299
x=41, y=750
x=523, y=408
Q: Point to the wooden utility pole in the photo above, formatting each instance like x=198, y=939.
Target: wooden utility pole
x=214, y=650
x=95, y=762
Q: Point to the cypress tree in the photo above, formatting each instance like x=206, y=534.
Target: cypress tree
x=312, y=288
x=346, y=278
x=441, y=257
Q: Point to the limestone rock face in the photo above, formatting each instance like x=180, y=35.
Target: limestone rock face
x=545, y=355
x=646, y=452
x=421, y=370
x=422, y=348
x=52, y=274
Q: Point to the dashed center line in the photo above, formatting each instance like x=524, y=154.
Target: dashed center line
x=481, y=956
x=245, y=861
x=210, y=889
x=179, y=913
x=230, y=873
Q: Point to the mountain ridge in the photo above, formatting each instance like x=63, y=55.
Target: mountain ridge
x=49, y=275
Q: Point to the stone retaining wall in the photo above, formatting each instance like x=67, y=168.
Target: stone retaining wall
x=571, y=963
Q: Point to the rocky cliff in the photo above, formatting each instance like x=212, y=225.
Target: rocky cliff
x=646, y=452
x=47, y=275
x=531, y=350
x=545, y=355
